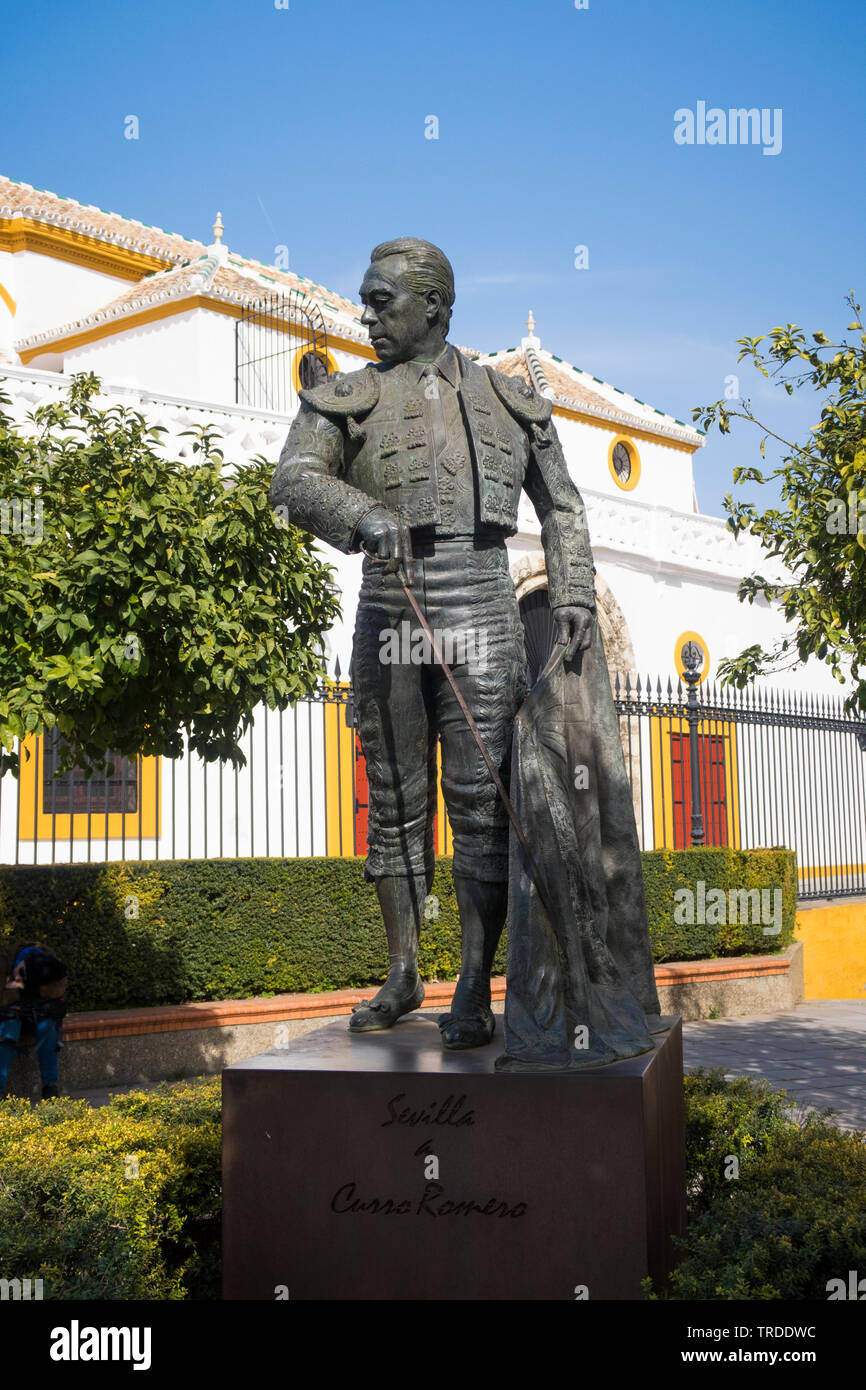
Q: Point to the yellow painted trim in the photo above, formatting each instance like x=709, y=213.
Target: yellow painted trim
x=678, y=647
x=444, y=834
x=144, y=823
x=822, y=870
x=7, y=299
x=163, y=311
x=26, y=234
x=634, y=456
x=339, y=782
x=662, y=769
x=333, y=365
x=646, y=435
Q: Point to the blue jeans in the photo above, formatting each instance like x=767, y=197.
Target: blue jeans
x=46, y=1048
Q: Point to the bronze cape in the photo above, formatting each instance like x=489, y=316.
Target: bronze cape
x=580, y=975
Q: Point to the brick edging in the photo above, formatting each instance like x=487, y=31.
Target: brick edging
x=225, y=1013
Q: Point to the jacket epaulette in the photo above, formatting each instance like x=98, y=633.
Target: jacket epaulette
x=519, y=398
x=345, y=393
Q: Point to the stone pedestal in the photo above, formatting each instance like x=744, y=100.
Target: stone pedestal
x=380, y=1167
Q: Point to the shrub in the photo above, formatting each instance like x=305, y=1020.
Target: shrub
x=117, y=1202
x=666, y=871
x=72, y=1215
x=793, y=1220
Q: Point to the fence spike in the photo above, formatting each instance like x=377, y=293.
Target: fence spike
x=616, y=685
x=337, y=669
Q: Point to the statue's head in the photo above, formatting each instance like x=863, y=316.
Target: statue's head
x=407, y=293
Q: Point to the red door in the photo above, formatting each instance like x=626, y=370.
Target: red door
x=713, y=803
x=362, y=798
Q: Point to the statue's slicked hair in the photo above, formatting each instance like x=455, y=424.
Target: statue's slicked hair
x=427, y=268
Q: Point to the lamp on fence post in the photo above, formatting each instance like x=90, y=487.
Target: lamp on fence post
x=693, y=660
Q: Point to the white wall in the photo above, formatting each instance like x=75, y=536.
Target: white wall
x=666, y=476
x=189, y=354
x=52, y=292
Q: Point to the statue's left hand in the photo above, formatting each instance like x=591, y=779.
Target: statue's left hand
x=575, y=627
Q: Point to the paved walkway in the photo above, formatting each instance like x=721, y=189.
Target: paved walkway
x=816, y=1052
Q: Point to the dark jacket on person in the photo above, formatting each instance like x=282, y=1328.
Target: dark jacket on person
x=44, y=992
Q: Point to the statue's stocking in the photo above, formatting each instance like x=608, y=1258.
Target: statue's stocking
x=482, y=916
x=402, y=902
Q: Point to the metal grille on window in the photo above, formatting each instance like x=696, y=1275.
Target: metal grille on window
x=73, y=792
x=622, y=462
x=268, y=334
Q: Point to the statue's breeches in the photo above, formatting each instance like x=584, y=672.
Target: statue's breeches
x=404, y=704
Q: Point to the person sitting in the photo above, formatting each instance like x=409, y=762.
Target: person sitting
x=32, y=1007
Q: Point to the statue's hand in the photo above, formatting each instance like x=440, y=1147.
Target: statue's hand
x=386, y=537
x=575, y=627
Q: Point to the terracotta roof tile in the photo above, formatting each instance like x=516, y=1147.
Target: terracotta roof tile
x=564, y=388
x=20, y=200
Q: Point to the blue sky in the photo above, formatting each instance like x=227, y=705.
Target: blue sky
x=306, y=127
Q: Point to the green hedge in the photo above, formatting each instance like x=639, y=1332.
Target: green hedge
x=139, y=934
x=77, y=1214
x=666, y=871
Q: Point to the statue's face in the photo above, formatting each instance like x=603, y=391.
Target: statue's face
x=396, y=318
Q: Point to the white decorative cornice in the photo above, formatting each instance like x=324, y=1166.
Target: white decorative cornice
x=636, y=422
x=536, y=369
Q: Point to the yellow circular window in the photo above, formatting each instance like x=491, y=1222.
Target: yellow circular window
x=623, y=460
x=691, y=640
x=311, y=366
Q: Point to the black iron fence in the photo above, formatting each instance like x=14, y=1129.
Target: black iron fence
x=717, y=766
x=706, y=766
